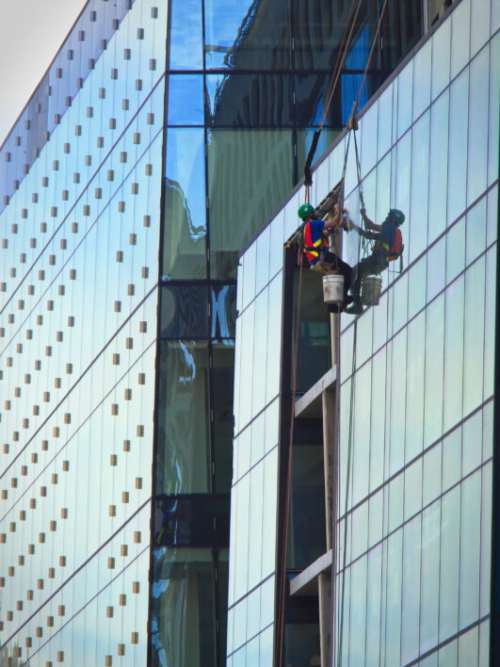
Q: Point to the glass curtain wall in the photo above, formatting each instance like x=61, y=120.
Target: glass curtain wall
x=413, y=585
x=245, y=91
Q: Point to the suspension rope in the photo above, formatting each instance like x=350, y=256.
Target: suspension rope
x=294, y=373
x=337, y=69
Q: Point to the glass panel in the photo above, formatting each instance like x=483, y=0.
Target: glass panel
x=411, y=590
x=450, y=560
x=490, y=322
x=457, y=157
x=452, y=458
x=477, y=159
x=393, y=599
x=474, y=335
x=434, y=371
x=250, y=174
x=429, y=610
x=185, y=100
x=373, y=608
x=222, y=392
x=249, y=100
x=255, y=526
x=460, y=37
x=405, y=85
x=470, y=530
x=184, y=247
x=468, y=648
x=494, y=124
x=230, y=39
x=453, y=353
x=437, y=172
x=184, y=311
x=419, y=187
x=223, y=312
x=422, y=79
x=436, y=267
x=441, y=58
x=185, y=38
x=378, y=420
x=480, y=26
x=183, y=633
x=398, y=398
x=183, y=442
x=485, y=566
x=455, y=250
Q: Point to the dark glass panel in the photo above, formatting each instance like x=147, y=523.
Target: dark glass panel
x=182, y=630
x=247, y=34
x=185, y=100
x=249, y=100
x=306, y=537
x=314, y=333
x=185, y=35
x=191, y=521
x=222, y=396
x=223, y=312
x=184, y=254
x=183, y=419
x=184, y=311
x=250, y=174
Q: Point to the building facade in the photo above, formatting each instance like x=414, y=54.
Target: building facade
x=160, y=139
x=375, y=546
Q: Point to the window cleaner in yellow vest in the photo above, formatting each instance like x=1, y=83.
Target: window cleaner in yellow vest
x=316, y=247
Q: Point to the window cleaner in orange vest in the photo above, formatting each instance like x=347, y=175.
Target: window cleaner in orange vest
x=388, y=247
x=316, y=246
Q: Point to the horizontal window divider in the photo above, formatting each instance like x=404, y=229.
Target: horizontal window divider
x=447, y=641
x=256, y=416
x=250, y=591
x=270, y=625
x=253, y=466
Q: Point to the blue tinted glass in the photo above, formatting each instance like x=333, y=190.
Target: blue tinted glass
x=185, y=100
x=184, y=311
x=185, y=35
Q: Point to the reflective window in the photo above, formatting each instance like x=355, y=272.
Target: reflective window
x=185, y=30
x=230, y=35
x=457, y=155
x=183, y=465
x=182, y=591
x=249, y=100
x=478, y=120
x=185, y=100
x=184, y=311
x=184, y=247
x=243, y=191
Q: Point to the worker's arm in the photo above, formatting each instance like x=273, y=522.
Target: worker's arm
x=369, y=224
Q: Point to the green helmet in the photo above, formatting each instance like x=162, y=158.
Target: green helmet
x=397, y=216
x=305, y=211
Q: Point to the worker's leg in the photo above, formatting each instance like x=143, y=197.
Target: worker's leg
x=367, y=266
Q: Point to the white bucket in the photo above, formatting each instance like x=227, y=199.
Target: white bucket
x=333, y=288
x=371, y=287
